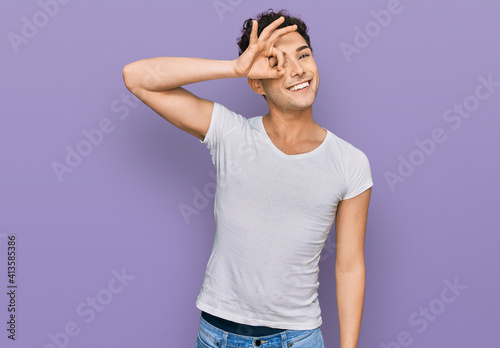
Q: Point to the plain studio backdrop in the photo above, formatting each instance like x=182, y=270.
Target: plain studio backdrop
x=110, y=207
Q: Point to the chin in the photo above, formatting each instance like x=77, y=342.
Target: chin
x=301, y=106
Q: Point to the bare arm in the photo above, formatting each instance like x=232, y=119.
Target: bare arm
x=350, y=230
x=157, y=81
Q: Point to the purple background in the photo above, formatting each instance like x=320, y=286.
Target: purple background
x=119, y=208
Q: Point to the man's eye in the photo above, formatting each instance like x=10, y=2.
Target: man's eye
x=273, y=61
x=304, y=55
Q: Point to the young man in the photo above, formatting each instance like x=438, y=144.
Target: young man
x=281, y=181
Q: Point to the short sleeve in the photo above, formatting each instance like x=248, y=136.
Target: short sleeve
x=359, y=177
x=222, y=122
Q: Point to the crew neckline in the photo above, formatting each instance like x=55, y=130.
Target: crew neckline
x=296, y=156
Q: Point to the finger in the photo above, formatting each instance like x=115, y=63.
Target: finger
x=279, y=73
x=280, y=57
x=253, y=32
x=281, y=32
x=266, y=32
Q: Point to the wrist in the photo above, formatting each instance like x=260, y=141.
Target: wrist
x=235, y=71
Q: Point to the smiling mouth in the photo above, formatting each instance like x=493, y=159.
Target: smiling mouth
x=300, y=86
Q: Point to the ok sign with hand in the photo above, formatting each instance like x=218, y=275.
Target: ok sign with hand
x=261, y=60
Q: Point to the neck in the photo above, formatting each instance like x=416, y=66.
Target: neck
x=290, y=125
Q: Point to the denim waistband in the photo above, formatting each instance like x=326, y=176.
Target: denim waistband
x=223, y=338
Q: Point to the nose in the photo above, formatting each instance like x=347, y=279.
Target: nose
x=294, y=67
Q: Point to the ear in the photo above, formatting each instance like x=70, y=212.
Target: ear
x=256, y=85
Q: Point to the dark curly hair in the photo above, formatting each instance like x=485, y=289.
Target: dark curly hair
x=264, y=19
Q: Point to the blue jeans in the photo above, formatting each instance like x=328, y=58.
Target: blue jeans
x=211, y=337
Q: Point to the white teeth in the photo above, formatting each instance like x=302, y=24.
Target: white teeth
x=300, y=86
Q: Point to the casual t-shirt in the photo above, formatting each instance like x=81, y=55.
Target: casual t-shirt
x=273, y=213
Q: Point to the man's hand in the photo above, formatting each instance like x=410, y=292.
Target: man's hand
x=157, y=81
x=261, y=60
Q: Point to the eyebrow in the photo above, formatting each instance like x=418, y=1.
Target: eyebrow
x=299, y=49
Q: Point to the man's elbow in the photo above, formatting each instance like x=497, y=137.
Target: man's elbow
x=353, y=266
x=127, y=73
x=133, y=78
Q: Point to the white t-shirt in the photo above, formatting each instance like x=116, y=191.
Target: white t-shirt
x=273, y=213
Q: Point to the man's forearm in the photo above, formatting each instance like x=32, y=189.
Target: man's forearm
x=350, y=298
x=164, y=73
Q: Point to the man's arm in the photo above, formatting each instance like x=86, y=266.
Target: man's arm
x=350, y=230
x=157, y=81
